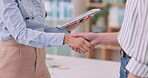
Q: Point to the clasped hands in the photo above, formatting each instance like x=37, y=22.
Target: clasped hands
x=77, y=42
x=82, y=42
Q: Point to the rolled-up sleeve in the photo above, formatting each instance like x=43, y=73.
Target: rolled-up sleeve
x=134, y=66
x=14, y=22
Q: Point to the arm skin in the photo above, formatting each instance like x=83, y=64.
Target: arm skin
x=130, y=75
x=107, y=38
x=100, y=38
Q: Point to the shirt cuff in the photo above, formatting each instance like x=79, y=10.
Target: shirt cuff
x=55, y=40
x=137, y=68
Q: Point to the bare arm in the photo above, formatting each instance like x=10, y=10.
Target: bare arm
x=107, y=38
x=100, y=38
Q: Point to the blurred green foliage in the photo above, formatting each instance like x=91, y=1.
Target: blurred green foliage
x=104, y=13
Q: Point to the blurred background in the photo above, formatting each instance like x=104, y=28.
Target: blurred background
x=108, y=20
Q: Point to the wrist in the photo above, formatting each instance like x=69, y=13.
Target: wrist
x=72, y=27
x=99, y=38
x=66, y=38
x=69, y=29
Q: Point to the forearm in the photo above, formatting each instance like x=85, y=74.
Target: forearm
x=107, y=38
x=51, y=29
x=39, y=39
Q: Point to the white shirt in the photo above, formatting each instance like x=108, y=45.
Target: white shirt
x=133, y=36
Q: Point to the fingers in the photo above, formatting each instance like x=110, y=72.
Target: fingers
x=75, y=49
x=73, y=26
x=79, y=44
x=77, y=23
x=85, y=19
x=87, y=44
x=83, y=46
x=88, y=17
x=72, y=47
x=91, y=15
x=78, y=50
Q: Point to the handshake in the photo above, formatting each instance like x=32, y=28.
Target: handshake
x=82, y=42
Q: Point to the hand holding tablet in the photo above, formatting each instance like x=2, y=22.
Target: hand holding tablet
x=80, y=17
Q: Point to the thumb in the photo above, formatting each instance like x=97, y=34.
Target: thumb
x=94, y=43
x=75, y=35
x=78, y=35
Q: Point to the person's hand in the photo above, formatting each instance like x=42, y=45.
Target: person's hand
x=130, y=75
x=78, y=44
x=91, y=37
x=70, y=28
